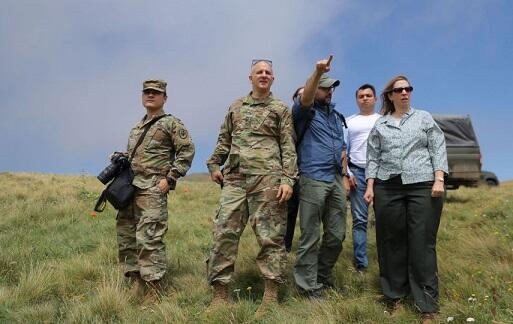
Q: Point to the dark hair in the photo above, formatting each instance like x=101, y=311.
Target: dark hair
x=296, y=93
x=387, y=106
x=366, y=86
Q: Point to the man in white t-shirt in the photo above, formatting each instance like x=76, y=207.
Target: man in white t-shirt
x=358, y=129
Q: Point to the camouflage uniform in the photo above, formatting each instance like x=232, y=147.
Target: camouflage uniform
x=256, y=144
x=166, y=152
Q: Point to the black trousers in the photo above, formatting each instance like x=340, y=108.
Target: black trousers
x=292, y=209
x=407, y=220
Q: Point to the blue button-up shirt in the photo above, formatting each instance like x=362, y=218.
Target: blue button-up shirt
x=414, y=149
x=320, y=151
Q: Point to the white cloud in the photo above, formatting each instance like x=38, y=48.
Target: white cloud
x=81, y=63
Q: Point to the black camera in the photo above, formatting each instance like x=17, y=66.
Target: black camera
x=119, y=161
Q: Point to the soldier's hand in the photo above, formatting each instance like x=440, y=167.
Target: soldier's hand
x=163, y=186
x=323, y=66
x=113, y=153
x=217, y=177
x=284, y=193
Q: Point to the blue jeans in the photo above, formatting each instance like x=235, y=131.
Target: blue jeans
x=360, y=212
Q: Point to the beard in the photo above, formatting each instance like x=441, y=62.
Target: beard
x=326, y=101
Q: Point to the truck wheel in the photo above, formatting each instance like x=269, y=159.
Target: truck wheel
x=491, y=182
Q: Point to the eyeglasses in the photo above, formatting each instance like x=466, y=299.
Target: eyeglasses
x=328, y=89
x=255, y=61
x=400, y=90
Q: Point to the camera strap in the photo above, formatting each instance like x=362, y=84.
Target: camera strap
x=146, y=129
x=102, y=201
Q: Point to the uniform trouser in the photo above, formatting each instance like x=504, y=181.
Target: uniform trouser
x=407, y=220
x=319, y=203
x=292, y=209
x=253, y=198
x=140, y=229
x=360, y=213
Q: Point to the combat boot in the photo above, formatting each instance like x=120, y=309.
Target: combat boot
x=136, y=284
x=152, y=292
x=269, y=299
x=219, y=296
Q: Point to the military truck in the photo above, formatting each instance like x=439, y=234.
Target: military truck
x=463, y=153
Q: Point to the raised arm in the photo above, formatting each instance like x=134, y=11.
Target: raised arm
x=321, y=67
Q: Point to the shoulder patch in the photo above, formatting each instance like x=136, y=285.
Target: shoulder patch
x=182, y=133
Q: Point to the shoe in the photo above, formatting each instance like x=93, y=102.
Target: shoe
x=397, y=308
x=361, y=269
x=312, y=295
x=219, y=296
x=269, y=299
x=136, y=284
x=152, y=292
x=428, y=318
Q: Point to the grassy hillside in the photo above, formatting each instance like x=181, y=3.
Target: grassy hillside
x=58, y=263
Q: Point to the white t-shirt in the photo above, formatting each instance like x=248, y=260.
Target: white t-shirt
x=358, y=129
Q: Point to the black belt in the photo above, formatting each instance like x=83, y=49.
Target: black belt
x=354, y=166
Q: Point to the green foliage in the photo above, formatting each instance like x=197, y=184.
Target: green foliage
x=58, y=263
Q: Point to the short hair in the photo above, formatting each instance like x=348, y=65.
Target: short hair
x=365, y=86
x=296, y=93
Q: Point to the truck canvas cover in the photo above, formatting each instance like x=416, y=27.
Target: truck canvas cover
x=458, y=130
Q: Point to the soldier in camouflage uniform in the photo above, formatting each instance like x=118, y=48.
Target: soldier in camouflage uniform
x=256, y=145
x=165, y=155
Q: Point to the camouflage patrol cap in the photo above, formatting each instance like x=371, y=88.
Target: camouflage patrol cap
x=159, y=85
x=327, y=82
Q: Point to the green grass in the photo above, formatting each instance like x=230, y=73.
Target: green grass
x=59, y=264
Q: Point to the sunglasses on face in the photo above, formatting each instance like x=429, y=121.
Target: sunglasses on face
x=255, y=61
x=400, y=90
x=327, y=89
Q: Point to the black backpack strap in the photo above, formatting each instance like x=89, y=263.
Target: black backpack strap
x=342, y=118
x=309, y=118
x=101, y=203
x=141, y=138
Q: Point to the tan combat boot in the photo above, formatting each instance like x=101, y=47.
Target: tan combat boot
x=152, y=292
x=219, y=296
x=136, y=284
x=269, y=299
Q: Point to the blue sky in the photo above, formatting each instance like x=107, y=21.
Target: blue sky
x=71, y=71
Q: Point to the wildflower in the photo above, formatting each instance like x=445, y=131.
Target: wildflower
x=237, y=291
x=92, y=214
x=471, y=319
x=450, y=319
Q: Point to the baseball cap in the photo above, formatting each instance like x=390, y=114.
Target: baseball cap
x=327, y=82
x=159, y=85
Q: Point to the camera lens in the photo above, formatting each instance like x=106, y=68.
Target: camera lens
x=108, y=173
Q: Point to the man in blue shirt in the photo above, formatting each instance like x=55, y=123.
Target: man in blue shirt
x=322, y=191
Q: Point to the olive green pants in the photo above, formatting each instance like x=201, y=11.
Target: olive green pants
x=407, y=220
x=319, y=203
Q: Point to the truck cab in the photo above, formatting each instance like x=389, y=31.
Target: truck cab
x=463, y=152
